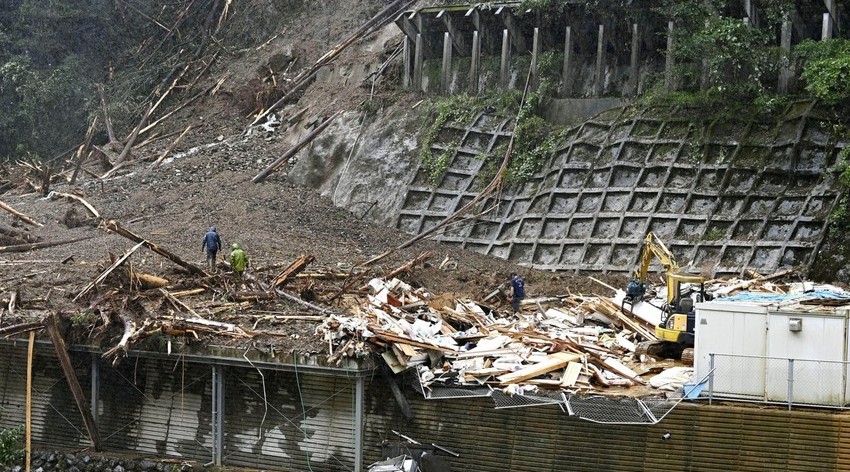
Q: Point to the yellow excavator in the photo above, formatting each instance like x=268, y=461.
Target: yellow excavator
x=675, y=332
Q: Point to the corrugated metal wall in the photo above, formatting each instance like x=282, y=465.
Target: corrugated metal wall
x=308, y=424
x=544, y=438
x=54, y=412
x=157, y=407
x=163, y=407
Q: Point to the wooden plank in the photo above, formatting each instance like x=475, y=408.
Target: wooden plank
x=571, y=374
x=552, y=362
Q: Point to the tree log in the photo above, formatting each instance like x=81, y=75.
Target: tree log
x=55, y=195
x=20, y=328
x=294, y=269
x=71, y=377
x=19, y=215
x=116, y=228
x=34, y=246
x=124, y=345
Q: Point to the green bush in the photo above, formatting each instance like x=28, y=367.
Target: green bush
x=827, y=69
x=11, y=449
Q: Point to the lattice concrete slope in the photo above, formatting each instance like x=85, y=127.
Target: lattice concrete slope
x=724, y=195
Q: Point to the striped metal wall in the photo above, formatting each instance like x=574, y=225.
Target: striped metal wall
x=295, y=422
x=280, y=421
x=288, y=421
x=544, y=438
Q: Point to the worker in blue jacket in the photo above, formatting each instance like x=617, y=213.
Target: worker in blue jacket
x=212, y=244
x=517, y=291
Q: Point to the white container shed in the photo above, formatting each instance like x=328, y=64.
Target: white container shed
x=765, y=352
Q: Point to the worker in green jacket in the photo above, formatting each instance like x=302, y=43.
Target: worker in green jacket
x=238, y=261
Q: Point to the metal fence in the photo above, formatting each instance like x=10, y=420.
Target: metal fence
x=800, y=382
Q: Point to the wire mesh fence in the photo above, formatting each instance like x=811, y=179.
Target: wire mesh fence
x=596, y=408
x=802, y=382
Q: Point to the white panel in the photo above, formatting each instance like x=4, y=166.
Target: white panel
x=731, y=328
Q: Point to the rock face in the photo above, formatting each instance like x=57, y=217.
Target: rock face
x=371, y=179
x=724, y=194
x=47, y=461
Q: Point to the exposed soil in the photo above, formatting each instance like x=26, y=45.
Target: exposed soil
x=209, y=184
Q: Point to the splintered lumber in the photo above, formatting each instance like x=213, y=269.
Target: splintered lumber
x=552, y=362
x=34, y=246
x=55, y=195
x=747, y=283
x=71, y=377
x=393, y=338
x=124, y=345
x=293, y=270
x=294, y=150
x=188, y=293
x=26, y=219
x=177, y=303
x=116, y=228
x=100, y=278
x=571, y=374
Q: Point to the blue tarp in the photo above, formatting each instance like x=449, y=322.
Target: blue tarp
x=782, y=297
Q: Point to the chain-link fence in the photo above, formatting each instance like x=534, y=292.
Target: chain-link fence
x=594, y=408
x=802, y=382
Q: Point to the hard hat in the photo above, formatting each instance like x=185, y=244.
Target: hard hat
x=235, y=246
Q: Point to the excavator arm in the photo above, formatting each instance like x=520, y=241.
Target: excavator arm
x=652, y=247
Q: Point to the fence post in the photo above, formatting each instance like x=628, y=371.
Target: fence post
x=217, y=414
x=790, y=383
x=710, y=377
x=95, y=386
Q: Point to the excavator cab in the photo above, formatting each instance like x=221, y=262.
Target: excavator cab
x=678, y=320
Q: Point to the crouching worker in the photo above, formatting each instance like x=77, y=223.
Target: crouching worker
x=517, y=291
x=238, y=261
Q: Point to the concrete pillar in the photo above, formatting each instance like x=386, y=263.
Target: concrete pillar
x=417, y=63
x=567, y=73
x=95, y=386
x=785, y=45
x=406, y=53
x=217, y=414
x=535, y=50
x=475, y=63
x=635, y=61
x=446, y=75
x=358, y=425
x=826, y=31
x=705, y=74
x=832, y=10
x=599, y=83
x=669, y=78
x=505, y=69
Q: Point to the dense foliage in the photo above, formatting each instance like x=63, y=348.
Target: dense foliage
x=52, y=54
x=827, y=69
x=11, y=449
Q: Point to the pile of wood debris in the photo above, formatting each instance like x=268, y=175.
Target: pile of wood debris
x=574, y=343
